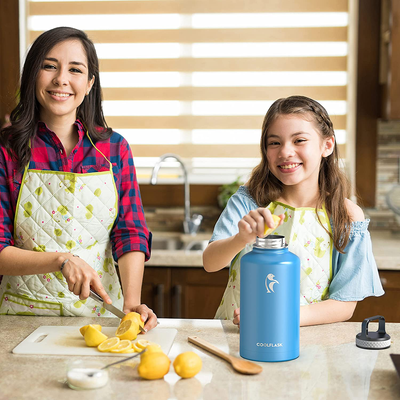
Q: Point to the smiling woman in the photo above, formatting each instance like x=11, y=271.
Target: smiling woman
x=70, y=202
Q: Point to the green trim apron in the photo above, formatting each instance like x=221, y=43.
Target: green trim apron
x=69, y=213
x=308, y=240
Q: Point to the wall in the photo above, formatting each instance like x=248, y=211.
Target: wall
x=387, y=174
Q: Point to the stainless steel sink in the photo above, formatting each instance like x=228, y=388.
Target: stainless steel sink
x=179, y=242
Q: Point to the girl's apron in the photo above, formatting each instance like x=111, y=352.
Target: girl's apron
x=308, y=240
x=69, y=213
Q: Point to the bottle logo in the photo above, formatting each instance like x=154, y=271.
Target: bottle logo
x=270, y=282
x=269, y=344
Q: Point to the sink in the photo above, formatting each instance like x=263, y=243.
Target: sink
x=178, y=242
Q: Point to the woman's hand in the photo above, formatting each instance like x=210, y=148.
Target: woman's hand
x=236, y=317
x=253, y=224
x=147, y=314
x=80, y=277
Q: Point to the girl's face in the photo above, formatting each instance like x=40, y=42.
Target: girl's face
x=63, y=82
x=295, y=149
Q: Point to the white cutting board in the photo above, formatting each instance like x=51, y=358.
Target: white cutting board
x=67, y=340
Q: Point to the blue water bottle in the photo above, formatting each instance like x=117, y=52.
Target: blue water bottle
x=270, y=302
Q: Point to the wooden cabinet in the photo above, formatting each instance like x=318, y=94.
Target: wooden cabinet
x=387, y=305
x=183, y=292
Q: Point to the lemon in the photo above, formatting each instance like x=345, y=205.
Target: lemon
x=267, y=229
x=135, y=317
x=127, y=330
x=187, y=364
x=123, y=347
x=83, y=329
x=108, y=344
x=94, y=337
x=154, y=366
x=151, y=348
x=135, y=348
x=142, y=343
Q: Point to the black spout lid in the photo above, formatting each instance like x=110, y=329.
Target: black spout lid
x=373, y=340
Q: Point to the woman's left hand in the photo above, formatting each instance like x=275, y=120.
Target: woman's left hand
x=147, y=314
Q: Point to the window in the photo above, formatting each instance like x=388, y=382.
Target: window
x=196, y=77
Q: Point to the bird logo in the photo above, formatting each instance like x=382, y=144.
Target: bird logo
x=270, y=282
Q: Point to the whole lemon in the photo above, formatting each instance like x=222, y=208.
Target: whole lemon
x=187, y=364
x=154, y=366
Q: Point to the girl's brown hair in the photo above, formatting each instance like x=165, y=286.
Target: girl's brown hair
x=333, y=184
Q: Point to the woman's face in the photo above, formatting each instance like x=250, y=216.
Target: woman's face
x=63, y=82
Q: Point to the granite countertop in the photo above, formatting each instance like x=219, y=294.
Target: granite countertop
x=329, y=366
x=386, y=249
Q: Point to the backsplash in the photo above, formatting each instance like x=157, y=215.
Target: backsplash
x=388, y=153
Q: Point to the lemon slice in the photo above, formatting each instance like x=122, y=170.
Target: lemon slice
x=94, y=337
x=108, y=344
x=267, y=229
x=135, y=348
x=122, y=347
x=127, y=330
x=83, y=329
x=142, y=343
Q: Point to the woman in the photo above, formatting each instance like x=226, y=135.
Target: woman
x=70, y=202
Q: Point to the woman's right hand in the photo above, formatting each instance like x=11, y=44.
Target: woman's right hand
x=253, y=224
x=80, y=277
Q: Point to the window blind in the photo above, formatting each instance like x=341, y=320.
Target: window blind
x=196, y=77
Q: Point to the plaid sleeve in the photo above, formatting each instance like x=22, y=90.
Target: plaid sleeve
x=130, y=232
x=6, y=209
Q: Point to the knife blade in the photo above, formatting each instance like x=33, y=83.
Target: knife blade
x=113, y=310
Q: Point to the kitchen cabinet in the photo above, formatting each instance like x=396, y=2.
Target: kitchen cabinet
x=387, y=305
x=183, y=292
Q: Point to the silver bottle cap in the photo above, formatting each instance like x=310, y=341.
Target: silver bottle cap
x=271, y=242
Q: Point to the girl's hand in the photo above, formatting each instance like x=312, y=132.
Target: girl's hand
x=80, y=277
x=253, y=224
x=236, y=317
x=147, y=314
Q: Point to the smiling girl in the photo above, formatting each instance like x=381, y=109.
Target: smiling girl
x=70, y=202
x=299, y=180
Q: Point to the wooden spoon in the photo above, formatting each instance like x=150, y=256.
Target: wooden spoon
x=242, y=366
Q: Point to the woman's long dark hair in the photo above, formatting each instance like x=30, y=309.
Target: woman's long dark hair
x=26, y=114
x=333, y=184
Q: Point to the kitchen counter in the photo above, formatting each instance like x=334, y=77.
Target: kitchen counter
x=386, y=249
x=330, y=366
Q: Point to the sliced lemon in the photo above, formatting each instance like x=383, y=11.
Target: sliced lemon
x=108, y=344
x=267, y=229
x=187, y=364
x=83, y=329
x=142, y=343
x=127, y=330
x=122, y=347
x=135, y=317
x=94, y=337
x=135, y=348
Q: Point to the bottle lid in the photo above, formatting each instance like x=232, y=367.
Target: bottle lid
x=271, y=242
x=373, y=340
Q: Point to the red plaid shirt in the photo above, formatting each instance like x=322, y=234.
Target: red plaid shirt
x=129, y=232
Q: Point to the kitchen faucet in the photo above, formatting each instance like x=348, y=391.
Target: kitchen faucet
x=190, y=224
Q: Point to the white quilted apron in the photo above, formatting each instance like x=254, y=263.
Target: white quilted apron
x=308, y=240
x=70, y=213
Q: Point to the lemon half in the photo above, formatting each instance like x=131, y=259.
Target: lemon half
x=94, y=337
x=127, y=330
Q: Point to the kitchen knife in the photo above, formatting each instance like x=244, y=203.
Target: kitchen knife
x=113, y=310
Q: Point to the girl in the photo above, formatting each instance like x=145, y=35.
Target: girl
x=299, y=180
x=70, y=202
